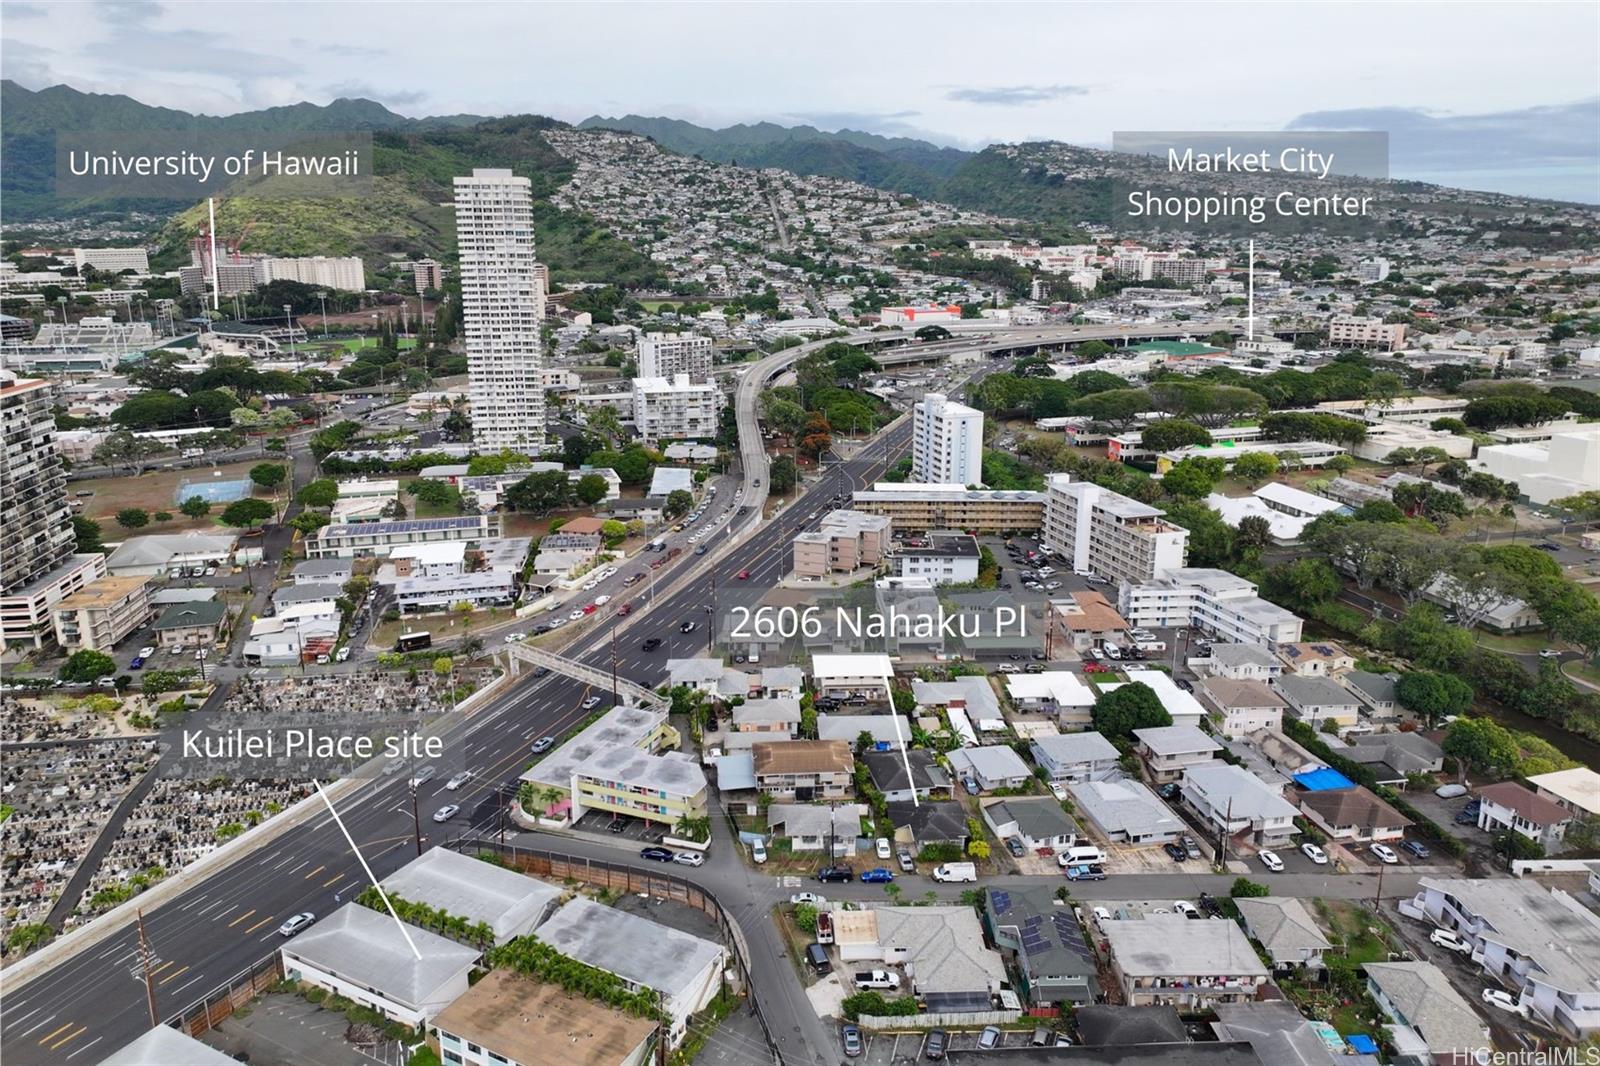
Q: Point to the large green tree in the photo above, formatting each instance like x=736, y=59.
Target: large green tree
x=1480, y=744
x=1127, y=707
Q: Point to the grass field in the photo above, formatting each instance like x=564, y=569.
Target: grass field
x=152, y=491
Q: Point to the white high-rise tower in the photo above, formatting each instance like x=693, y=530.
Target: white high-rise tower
x=946, y=441
x=500, y=302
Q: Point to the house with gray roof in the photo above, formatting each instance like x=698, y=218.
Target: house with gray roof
x=1075, y=756
x=889, y=774
x=1169, y=750
x=166, y=1046
x=1111, y=1025
x=762, y=719
x=709, y=676
x=1393, y=757
x=808, y=827
x=1160, y=960
x=1126, y=812
x=508, y=902
x=888, y=730
x=362, y=955
x=1376, y=693
x=782, y=682
x=330, y=571
x=1315, y=700
x=1243, y=662
x=686, y=970
x=992, y=766
x=1045, y=942
x=942, y=950
x=1233, y=800
x=920, y=825
x=1038, y=821
x=972, y=694
x=1277, y=1032
x=1430, y=1019
x=1287, y=931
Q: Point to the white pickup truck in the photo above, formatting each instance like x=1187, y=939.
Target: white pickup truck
x=877, y=979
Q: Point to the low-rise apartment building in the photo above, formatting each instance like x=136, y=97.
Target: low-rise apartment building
x=844, y=542
x=920, y=506
x=379, y=538
x=942, y=558
x=675, y=408
x=803, y=769
x=1168, y=960
x=1169, y=750
x=1219, y=604
x=1106, y=533
x=1243, y=707
x=101, y=613
x=1234, y=801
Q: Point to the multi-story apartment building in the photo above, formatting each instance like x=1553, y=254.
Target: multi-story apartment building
x=36, y=538
x=666, y=355
x=1218, y=603
x=1372, y=270
x=803, y=769
x=946, y=442
x=1169, y=751
x=846, y=541
x=1167, y=960
x=1354, y=331
x=328, y=272
x=945, y=558
x=378, y=538
x=1541, y=943
x=101, y=613
x=623, y=779
x=501, y=310
x=1103, y=532
x=919, y=506
x=675, y=409
x=112, y=260
x=1230, y=799
x=426, y=274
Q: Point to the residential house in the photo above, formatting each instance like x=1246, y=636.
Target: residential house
x=1243, y=707
x=685, y=971
x=852, y=678
x=708, y=676
x=1393, y=757
x=1038, y=821
x=804, y=769
x=1232, y=800
x=1126, y=812
x=782, y=682
x=1577, y=789
x=889, y=732
x=1275, y=1032
x=1353, y=815
x=1315, y=658
x=1543, y=945
x=566, y=554
x=1075, y=756
x=942, y=951
x=1318, y=699
x=1182, y=706
x=1087, y=620
x=971, y=694
x=164, y=1045
x=1286, y=929
x=364, y=956
x=1376, y=693
x=889, y=773
x=1508, y=805
x=1243, y=662
x=1431, y=1022
x=923, y=824
x=1169, y=750
x=1045, y=942
x=1102, y=1025
x=1060, y=694
x=762, y=720
x=1167, y=960
x=331, y=571
x=809, y=827
x=992, y=767
x=511, y=1019
x=191, y=625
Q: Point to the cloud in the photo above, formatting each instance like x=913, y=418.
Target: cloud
x=126, y=12
x=1014, y=95
x=188, y=51
x=19, y=10
x=390, y=97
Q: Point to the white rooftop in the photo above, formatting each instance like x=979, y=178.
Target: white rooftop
x=1181, y=705
x=827, y=667
x=368, y=949
x=459, y=884
x=1062, y=687
x=634, y=948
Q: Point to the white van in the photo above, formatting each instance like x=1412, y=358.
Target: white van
x=955, y=871
x=1081, y=855
x=758, y=852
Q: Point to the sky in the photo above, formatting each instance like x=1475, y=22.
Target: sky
x=1485, y=95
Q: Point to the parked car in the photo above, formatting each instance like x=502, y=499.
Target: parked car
x=1016, y=847
x=883, y=848
x=1416, y=849
x=1270, y=860
x=1503, y=1000
x=137, y=663
x=989, y=1038
x=906, y=864
x=447, y=812
x=1101, y=914
x=878, y=875
x=758, y=852
x=1450, y=791
x=810, y=898
x=689, y=858
x=1086, y=873
x=1191, y=845
x=1314, y=853
x=970, y=785
x=933, y=1047
x=851, y=1035
x=835, y=873
x=1185, y=908
x=296, y=924
x=146, y=651
x=1450, y=940
x=1385, y=854
x=1175, y=851
x=656, y=854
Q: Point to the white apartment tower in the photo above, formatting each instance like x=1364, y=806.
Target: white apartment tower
x=1106, y=533
x=946, y=442
x=500, y=305
x=666, y=355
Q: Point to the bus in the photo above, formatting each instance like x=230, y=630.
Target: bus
x=413, y=641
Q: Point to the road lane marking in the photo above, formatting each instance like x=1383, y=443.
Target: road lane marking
x=241, y=917
x=259, y=924
x=86, y=1047
x=314, y=873
x=186, y=984
x=163, y=966
x=381, y=893
x=333, y=880
x=173, y=976
x=49, y=1036
x=69, y=1038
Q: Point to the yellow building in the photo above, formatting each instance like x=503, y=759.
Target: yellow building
x=101, y=613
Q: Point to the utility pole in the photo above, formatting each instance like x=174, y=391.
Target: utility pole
x=416, y=820
x=1222, y=837
x=146, y=959
x=615, y=698
x=1377, y=897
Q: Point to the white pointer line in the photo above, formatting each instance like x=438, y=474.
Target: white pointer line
x=385, y=896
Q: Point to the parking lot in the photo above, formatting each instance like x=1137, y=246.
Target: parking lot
x=623, y=827
x=281, y=1029
x=893, y=1049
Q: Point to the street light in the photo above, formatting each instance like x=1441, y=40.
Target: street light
x=288, y=322
x=323, y=296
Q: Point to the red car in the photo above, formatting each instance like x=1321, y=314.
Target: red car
x=743, y=575
x=591, y=609
x=1096, y=668
x=658, y=564
x=625, y=610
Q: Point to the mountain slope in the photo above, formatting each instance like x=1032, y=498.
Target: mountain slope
x=900, y=164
